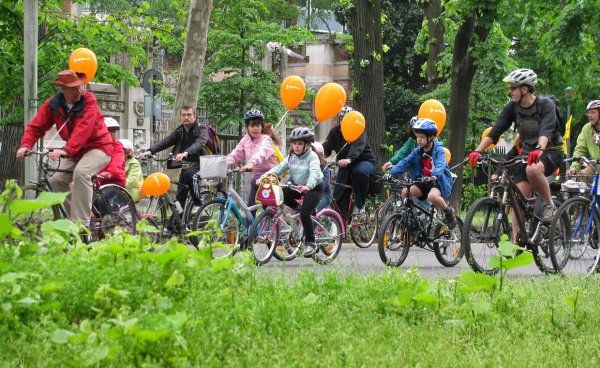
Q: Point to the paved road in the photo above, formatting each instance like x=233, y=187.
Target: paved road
x=352, y=258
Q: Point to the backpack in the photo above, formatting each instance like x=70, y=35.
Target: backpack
x=213, y=144
x=561, y=120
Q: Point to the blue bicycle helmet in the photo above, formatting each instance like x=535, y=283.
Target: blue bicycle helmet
x=426, y=126
x=253, y=114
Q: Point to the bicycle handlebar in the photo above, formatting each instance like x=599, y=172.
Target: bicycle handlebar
x=509, y=162
x=585, y=160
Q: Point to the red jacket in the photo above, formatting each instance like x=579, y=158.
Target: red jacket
x=116, y=166
x=84, y=130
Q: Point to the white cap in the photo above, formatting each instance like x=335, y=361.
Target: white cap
x=111, y=122
x=127, y=145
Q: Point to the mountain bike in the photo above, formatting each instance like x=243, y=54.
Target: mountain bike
x=574, y=247
x=168, y=215
x=488, y=219
x=278, y=231
x=413, y=225
x=112, y=205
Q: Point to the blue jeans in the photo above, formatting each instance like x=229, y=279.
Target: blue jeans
x=356, y=175
x=324, y=202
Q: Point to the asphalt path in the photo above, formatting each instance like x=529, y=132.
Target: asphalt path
x=367, y=261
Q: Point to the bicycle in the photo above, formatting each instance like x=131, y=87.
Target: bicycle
x=278, y=227
x=167, y=215
x=427, y=227
x=487, y=220
x=112, y=205
x=232, y=218
x=574, y=247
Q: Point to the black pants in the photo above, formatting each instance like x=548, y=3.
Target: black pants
x=356, y=175
x=310, y=202
x=187, y=178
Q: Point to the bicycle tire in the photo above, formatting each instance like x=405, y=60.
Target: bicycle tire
x=574, y=251
x=328, y=236
x=363, y=228
x=120, y=210
x=154, y=209
x=266, y=226
x=471, y=231
x=398, y=225
x=541, y=250
x=441, y=251
x=388, y=208
x=289, y=244
x=231, y=231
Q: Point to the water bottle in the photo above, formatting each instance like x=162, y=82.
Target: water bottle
x=178, y=207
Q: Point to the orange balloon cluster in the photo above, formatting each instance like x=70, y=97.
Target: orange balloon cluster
x=156, y=184
x=329, y=101
x=353, y=125
x=434, y=110
x=84, y=61
x=292, y=91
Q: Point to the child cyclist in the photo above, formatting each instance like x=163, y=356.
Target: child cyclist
x=304, y=167
x=428, y=160
x=407, y=148
x=255, y=149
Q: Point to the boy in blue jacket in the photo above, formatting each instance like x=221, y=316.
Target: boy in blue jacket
x=429, y=160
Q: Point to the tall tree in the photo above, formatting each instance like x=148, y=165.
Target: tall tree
x=365, y=26
x=476, y=23
x=435, y=27
x=192, y=63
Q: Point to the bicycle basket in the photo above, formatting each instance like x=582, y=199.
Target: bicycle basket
x=213, y=167
x=269, y=191
x=572, y=186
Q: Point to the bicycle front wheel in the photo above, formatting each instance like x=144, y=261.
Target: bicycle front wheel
x=328, y=236
x=264, y=237
x=484, y=225
x=363, y=228
x=115, y=208
x=573, y=244
x=224, y=228
x=394, y=240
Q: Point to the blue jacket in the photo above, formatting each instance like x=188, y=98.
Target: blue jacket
x=440, y=170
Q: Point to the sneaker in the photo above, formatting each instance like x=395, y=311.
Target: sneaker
x=450, y=218
x=548, y=214
x=311, y=248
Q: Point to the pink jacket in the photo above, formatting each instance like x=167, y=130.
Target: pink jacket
x=258, y=151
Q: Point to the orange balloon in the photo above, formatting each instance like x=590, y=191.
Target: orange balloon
x=353, y=125
x=156, y=184
x=84, y=61
x=448, y=155
x=329, y=101
x=292, y=91
x=434, y=110
x=485, y=134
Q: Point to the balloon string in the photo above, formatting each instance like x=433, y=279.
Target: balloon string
x=281, y=120
x=335, y=157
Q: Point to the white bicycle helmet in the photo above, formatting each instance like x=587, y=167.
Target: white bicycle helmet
x=111, y=122
x=302, y=134
x=523, y=77
x=594, y=104
x=127, y=144
x=344, y=111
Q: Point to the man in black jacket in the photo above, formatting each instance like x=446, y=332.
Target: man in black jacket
x=188, y=142
x=356, y=162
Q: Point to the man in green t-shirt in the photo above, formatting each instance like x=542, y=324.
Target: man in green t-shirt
x=588, y=141
x=406, y=149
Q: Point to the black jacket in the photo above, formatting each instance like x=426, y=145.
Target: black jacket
x=357, y=151
x=176, y=138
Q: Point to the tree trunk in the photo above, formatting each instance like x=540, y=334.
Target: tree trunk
x=365, y=24
x=435, y=27
x=462, y=73
x=10, y=167
x=192, y=62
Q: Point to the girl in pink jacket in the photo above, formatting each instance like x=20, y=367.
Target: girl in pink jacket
x=255, y=149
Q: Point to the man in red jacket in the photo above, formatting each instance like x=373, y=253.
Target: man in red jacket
x=75, y=113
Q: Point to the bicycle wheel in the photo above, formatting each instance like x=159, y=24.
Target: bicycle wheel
x=447, y=247
x=573, y=246
x=394, y=240
x=36, y=218
x=155, y=210
x=363, y=228
x=481, y=232
x=264, y=237
x=226, y=231
x=115, y=208
x=388, y=208
x=290, y=241
x=541, y=233
x=328, y=236
x=192, y=208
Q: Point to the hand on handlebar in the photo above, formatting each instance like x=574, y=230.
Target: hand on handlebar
x=426, y=179
x=181, y=156
x=343, y=163
x=56, y=154
x=22, y=152
x=474, y=157
x=145, y=154
x=387, y=165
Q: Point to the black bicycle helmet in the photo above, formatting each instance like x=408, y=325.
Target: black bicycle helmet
x=302, y=134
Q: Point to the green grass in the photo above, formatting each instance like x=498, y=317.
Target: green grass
x=116, y=305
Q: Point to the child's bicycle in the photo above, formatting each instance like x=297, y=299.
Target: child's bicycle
x=278, y=231
x=411, y=224
x=574, y=246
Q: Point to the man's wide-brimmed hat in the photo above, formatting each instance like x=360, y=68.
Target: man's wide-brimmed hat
x=69, y=78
